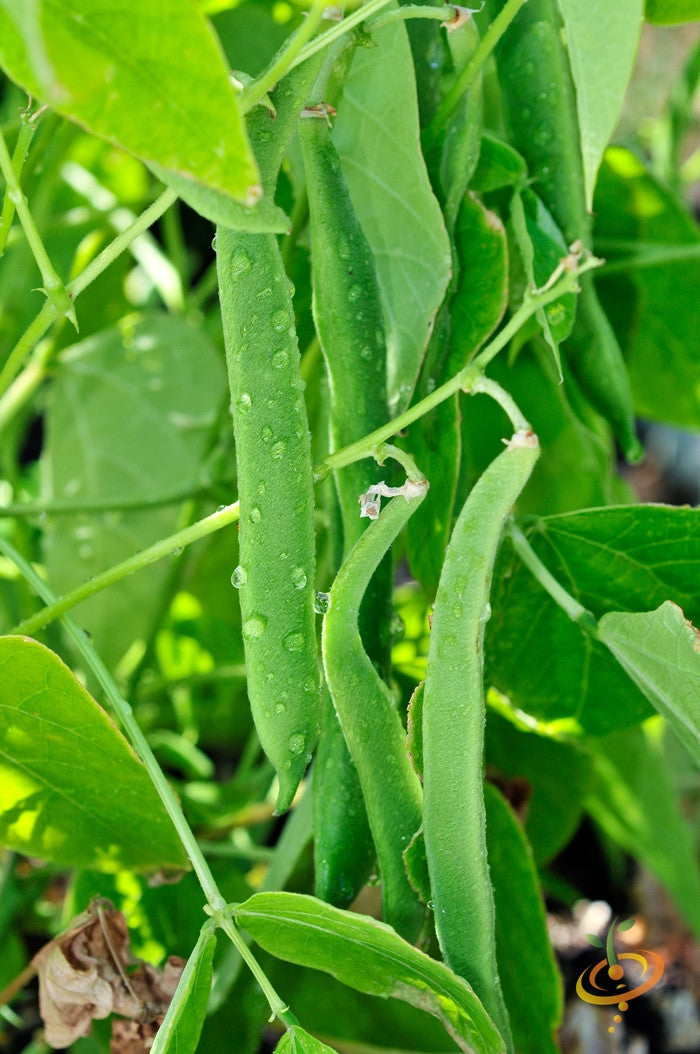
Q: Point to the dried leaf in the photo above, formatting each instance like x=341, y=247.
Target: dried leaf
x=83, y=976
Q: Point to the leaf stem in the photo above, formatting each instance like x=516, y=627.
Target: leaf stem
x=49, y=312
x=335, y=32
x=54, y=288
x=402, y=14
x=163, y=547
x=284, y=59
x=26, y=134
x=576, y=612
x=465, y=379
x=485, y=47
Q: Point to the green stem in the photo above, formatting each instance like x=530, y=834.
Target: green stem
x=465, y=379
x=24, y=139
x=485, y=386
x=49, y=312
x=402, y=14
x=54, y=288
x=163, y=547
x=27, y=510
x=277, y=1006
x=477, y=60
x=576, y=612
x=645, y=254
x=284, y=60
x=339, y=30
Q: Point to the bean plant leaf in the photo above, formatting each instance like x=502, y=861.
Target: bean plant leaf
x=377, y=137
x=117, y=70
x=671, y=12
x=602, y=39
x=297, y=1041
x=652, y=300
x=71, y=789
x=526, y=961
x=660, y=650
x=263, y=217
x=182, y=1025
x=368, y=956
x=628, y=558
x=632, y=799
x=129, y=420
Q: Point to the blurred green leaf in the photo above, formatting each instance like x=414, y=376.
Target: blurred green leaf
x=526, y=963
x=652, y=297
x=377, y=136
x=602, y=40
x=118, y=71
x=628, y=558
x=499, y=166
x=130, y=419
x=261, y=218
x=634, y=803
x=72, y=790
x=369, y=956
x=670, y=12
x=660, y=650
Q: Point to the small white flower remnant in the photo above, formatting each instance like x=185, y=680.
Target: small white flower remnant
x=370, y=502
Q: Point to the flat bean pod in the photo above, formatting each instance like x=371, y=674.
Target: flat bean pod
x=275, y=480
x=540, y=109
x=454, y=822
x=370, y=721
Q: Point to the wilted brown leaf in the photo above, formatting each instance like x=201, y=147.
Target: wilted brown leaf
x=83, y=975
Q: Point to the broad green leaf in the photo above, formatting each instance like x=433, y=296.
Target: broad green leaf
x=24, y=14
x=634, y=803
x=556, y=775
x=129, y=420
x=377, y=136
x=118, y=71
x=671, y=12
x=297, y=1041
x=182, y=1025
x=652, y=301
x=660, y=650
x=352, y=1020
x=368, y=956
x=629, y=558
x=264, y=217
x=72, y=791
x=602, y=38
x=526, y=961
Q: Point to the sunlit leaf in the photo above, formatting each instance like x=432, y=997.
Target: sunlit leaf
x=71, y=789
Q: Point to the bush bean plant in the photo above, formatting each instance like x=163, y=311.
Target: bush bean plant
x=326, y=338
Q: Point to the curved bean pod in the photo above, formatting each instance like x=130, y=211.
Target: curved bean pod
x=454, y=822
x=370, y=721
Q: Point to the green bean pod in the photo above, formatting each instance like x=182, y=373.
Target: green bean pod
x=540, y=109
x=350, y=326
x=273, y=455
x=370, y=721
x=454, y=823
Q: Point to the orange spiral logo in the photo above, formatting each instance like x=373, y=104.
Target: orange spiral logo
x=609, y=982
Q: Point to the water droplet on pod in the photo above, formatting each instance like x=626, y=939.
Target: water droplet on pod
x=296, y=744
x=280, y=359
x=254, y=627
x=294, y=641
x=239, y=577
x=298, y=577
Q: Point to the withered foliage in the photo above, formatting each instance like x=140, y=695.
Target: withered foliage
x=88, y=972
